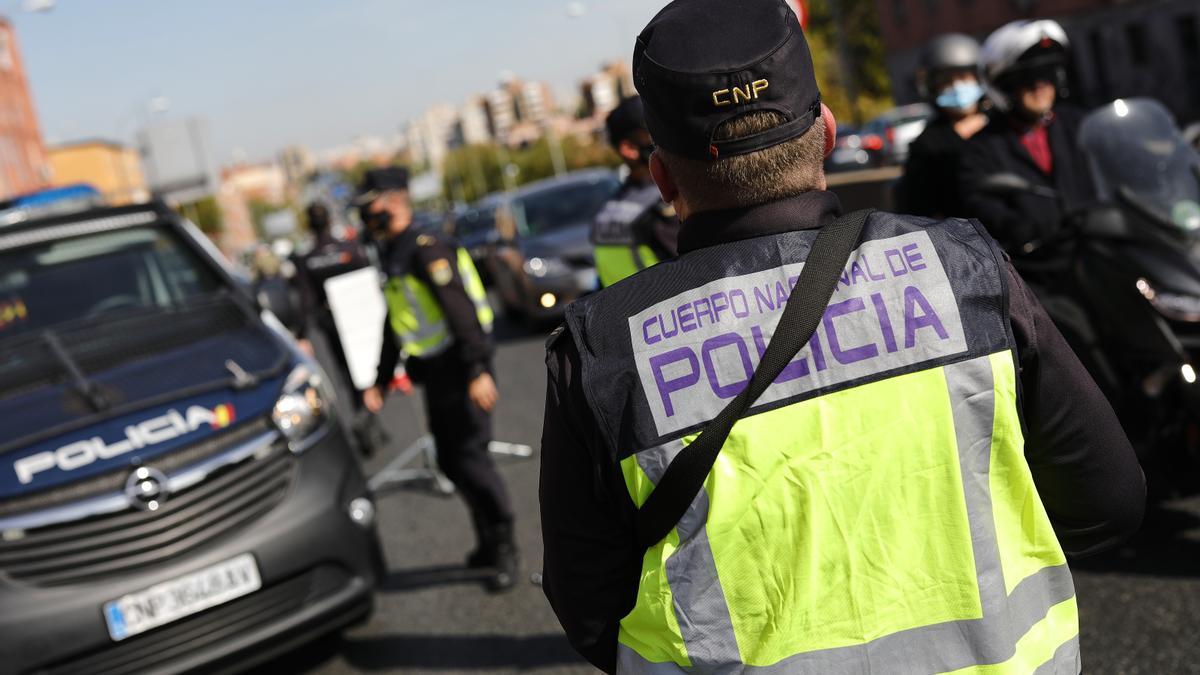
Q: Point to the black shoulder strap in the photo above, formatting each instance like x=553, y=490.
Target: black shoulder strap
x=685, y=476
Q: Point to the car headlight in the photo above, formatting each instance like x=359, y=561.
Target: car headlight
x=1174, y=306
x=546, y=267
x=302, y=407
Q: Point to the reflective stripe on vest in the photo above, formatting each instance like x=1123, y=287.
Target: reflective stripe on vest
x=873, y=512
x=614, y=263
x=416, y=316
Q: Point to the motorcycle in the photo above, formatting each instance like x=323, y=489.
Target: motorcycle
x=1122, y=282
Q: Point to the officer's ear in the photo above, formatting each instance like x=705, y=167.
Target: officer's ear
x=629, y=151
x=830, y=129
x=662, y=178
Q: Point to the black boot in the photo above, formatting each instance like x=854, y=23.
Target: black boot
x=498, y=555
x=506, y=568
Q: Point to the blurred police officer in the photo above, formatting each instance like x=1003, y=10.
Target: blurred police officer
x=635, y=229
x=439, y=315
x=330, y=258
x=1031, y=135
x=948, y=77
x=887, y=505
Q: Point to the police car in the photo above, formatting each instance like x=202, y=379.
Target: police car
x=176, y=491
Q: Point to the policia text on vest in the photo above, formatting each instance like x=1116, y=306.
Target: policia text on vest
x=873, y=512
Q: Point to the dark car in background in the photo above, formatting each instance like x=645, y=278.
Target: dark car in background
x=543, y=257
x=176, y=491
x=848, y=152
x=475, y=231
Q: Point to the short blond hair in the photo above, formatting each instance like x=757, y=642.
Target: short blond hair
x=777, y=172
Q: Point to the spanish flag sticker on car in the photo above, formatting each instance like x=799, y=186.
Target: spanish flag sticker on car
x=223, y=416
x=440, y=273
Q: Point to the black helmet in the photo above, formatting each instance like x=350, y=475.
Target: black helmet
x=949, y=52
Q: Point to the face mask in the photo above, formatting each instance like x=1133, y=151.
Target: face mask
x=960, y=96
x=378, y=223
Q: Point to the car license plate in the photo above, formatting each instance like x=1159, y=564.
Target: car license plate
x=172, y=600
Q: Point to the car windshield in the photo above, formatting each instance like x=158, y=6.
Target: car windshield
x=1138, y=154
x=475, y=222
x=562, y=205
x=98, y=276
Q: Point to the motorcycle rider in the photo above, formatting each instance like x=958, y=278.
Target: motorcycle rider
x=1031, y=135
x=635, y=229
x=949, y=78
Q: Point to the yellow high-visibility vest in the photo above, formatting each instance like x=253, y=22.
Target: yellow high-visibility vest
x=874, y=511
x=417, y=317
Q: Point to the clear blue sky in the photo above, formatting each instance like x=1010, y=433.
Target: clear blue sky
x=267, y=73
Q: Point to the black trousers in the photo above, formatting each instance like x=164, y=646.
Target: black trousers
x=462, y=432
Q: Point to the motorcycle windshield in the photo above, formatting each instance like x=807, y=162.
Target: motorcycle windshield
x=1137, y=154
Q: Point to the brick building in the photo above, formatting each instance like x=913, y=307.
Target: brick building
x=23, y=165
x=1120, y=48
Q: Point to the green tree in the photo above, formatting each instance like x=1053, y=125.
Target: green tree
x=865, y=51
x=474, y=171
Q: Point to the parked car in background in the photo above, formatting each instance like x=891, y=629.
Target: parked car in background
x=848, y=152
x=543, y=258
x=887, y=137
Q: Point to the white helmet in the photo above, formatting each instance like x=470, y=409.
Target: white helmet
x=1022, y=47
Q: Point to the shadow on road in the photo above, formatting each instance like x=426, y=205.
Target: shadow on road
x=1167, y=545
x=427, y=577
x=458, y=652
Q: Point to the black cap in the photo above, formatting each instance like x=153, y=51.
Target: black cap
x=625, y=119
x=700, y=63
x=377, y=181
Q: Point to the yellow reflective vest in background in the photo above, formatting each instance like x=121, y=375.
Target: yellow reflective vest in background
x=417, y=317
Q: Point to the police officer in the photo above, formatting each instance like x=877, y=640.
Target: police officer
x=330, y=257
x=1031, y=134
x=439, y=314
x=635, y=229
x=948, y=77
x=887, y=505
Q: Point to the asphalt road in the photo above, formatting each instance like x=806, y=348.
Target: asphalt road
x=1140, y=605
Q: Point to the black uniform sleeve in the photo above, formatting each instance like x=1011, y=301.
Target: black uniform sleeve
x=389, y=355
x=438, y=268
x=591, y=563
x=1085, y=470
x=1003, y=220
